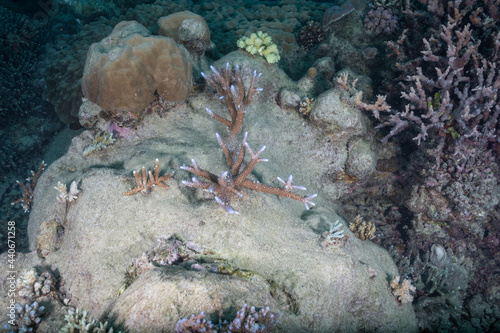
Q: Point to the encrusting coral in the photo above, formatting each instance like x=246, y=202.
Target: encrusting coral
x=229, y=183
x=261, y=44
x=144, y=184
x=28, y=188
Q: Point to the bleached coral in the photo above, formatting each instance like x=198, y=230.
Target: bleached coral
x=401, y=291
x=64, y=196
x=261, y=44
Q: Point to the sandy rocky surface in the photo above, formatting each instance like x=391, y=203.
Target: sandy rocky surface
x=274, y=242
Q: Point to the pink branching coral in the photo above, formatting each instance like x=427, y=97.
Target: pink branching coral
x=253, y=321
x=454, y=95
x=381, y=20
x=195, y=323
x=229, y=183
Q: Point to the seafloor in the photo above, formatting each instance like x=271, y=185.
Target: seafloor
x=142, y=219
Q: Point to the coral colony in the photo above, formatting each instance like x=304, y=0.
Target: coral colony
x=28, y=188
x=144, y=184
x=229, y=183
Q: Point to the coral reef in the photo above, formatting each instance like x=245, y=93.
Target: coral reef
x=261, y=44
x=229, y=183
x=147, y=180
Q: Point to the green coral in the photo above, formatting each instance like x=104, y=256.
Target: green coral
x=261, y=44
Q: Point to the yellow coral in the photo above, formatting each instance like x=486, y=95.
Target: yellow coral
x=261, y=44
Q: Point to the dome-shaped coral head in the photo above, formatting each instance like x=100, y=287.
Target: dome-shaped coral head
x=261, y=44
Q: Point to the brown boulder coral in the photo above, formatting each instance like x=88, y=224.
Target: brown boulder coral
x=186, y=28
x=123, y=71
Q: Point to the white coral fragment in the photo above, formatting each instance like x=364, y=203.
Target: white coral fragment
x=65, y=196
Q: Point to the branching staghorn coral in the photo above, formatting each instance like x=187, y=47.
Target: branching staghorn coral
x=29, y=188
x=229, y=183
x=144, y=184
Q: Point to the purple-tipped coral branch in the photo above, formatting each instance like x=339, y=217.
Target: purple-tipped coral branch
x=229, y=183
x=235, y=98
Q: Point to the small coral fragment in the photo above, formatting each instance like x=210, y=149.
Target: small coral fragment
x=402, y=291
x=26, y=318
x=28, y=189
x=305, y=106
x=144, y=184
x=81, y=321
x=64, y=196
x=99, y=142
x=195, y=323
x=333, y=237
x=362, y=229
x=261, y=44
x=263, y=321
